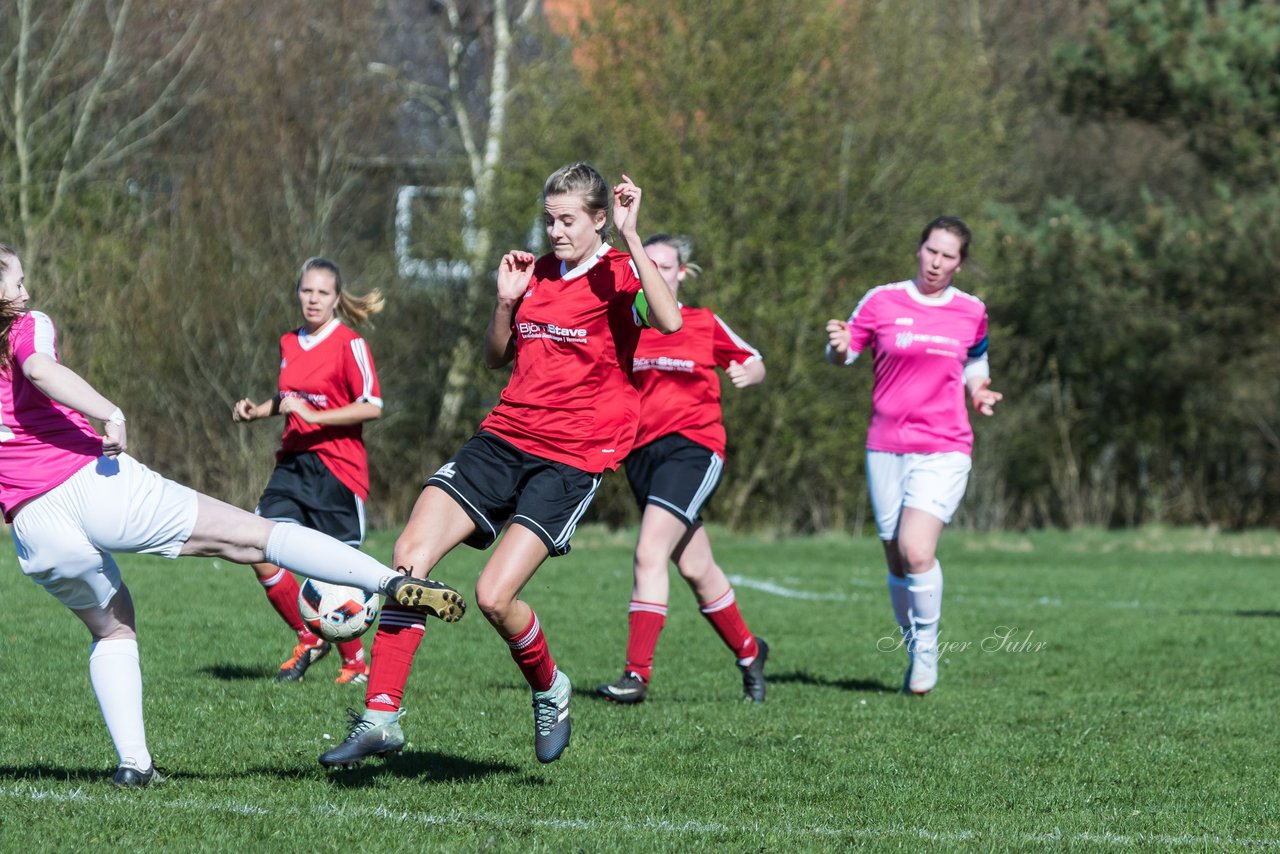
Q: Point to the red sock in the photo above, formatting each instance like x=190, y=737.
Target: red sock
x=725, y=619
x=399, y=634
x=645, y=620
x=352, y=652
x=282, y=593
x=529, y=649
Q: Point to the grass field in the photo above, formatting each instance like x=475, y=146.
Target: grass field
x=1131, y=703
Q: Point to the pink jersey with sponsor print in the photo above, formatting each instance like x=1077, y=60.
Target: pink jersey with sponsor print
x=42, y=443
x=919, y=347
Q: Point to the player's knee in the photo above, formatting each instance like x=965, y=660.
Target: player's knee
x=648, y=564
x=695, y=570
x=494, y=602
x=651, y=558
x=414, y=554
x=916, y=558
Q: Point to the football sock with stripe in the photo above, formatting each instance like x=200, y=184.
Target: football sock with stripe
x=925, y=590
x=644, y=623
x=722, y=613
x=352, y=652
x=398, y=637
x=900, y=598
x=282, y=593
x=531, y=654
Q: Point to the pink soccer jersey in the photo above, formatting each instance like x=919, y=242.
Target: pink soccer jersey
x=920, y=346
x=42, y=443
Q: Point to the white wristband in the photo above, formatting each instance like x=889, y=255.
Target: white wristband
x=116, y=417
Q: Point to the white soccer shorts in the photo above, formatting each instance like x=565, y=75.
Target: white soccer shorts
x=934, y=483
x=64, y=538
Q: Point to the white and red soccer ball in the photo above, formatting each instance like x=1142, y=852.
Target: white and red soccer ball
x=337, y=613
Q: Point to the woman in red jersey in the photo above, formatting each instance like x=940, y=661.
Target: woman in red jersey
x=328, y=388
x=74, y=497
x=674, y=470
x=569, y=321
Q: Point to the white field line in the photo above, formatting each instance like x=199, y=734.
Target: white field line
x=155, y=799
x=773, y=587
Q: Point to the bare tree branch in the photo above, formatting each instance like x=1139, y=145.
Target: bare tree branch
x=61, y=43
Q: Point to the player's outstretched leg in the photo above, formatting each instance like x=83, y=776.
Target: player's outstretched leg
x=370, y=734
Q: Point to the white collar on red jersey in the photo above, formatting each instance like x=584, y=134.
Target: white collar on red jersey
x=586, y=265
x=309, y=341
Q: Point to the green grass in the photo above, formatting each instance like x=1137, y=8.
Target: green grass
x=1146, y=717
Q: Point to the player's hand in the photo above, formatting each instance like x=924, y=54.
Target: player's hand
x=839, y=337
x=115, y=440
x=515, y=271
x=243, y=410
x=297, y=406
x=737, y=374
x=626, y=206
x=984, y=398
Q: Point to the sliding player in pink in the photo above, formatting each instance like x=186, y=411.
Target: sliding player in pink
x=73, y=497
x=328, y=388
x=929, y=346
x=674, y=470
x=569, y=321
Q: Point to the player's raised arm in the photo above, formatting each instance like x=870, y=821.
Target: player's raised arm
x=664, y=311
x=515, y=271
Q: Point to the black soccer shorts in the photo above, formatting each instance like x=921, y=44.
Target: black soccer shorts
x=303, y=490
x=676, y=474
x=496, y=482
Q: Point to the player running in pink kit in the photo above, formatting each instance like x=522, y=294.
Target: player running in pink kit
x=569, y=321
x=929, y=345
x=674, y=470
x=73, y=497
x=328, y=388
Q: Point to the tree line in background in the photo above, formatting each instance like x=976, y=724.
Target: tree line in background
x=165, y=168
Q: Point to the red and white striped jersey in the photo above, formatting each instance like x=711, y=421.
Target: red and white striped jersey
x=679, y=389
x=570, y=397
x=329, y=370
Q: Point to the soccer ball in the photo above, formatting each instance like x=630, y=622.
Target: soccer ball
x=337, y=613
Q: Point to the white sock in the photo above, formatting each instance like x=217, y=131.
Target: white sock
x=116, y=678
x=900, y=598
x=925, y=592
x=323, y=558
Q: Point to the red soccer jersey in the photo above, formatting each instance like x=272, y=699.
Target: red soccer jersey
x=679, y=389
x=329, y=370
x=570, y=397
